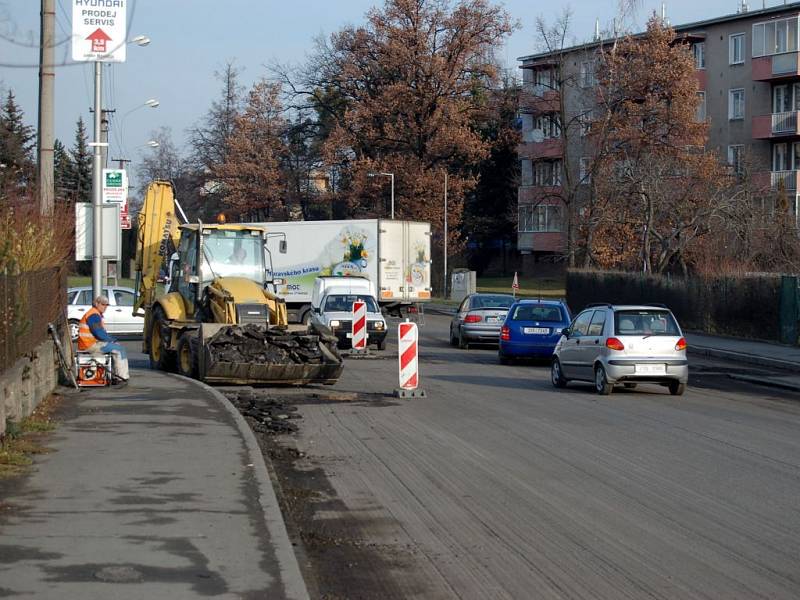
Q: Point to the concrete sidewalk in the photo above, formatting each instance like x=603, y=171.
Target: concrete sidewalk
x=157, y=490
x=781, y=363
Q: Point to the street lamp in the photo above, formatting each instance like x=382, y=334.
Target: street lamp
x=140, y=40
x=391, y=176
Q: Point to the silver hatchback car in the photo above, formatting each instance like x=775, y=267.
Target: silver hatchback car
x=612, y=344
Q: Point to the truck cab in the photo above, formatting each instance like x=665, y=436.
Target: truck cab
x=332, y=306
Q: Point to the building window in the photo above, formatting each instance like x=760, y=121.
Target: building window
x=736, y=157
x=585, y=174
x=736, y=104
x=526, y=172
x=542, y=218
x=701, y=107
x=586, y=118
x=547, y=173
x=699, y=51
x=587, y=74
x=527, y=127
x=548, y=125
x=775, y=37
x=736, y=49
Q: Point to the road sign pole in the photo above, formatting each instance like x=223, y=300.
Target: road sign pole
x=97, y=185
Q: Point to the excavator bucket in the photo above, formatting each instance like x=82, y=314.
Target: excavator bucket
x=253, y=354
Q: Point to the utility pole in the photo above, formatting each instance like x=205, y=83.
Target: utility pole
x=97, y=184
x=121, y=162
x=44, y=149
x=445, y=236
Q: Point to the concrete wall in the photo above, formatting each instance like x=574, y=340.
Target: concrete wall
x=31, y=379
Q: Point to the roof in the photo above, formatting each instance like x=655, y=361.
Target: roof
x=681, y=29
x=224, y=227
x=541, y=301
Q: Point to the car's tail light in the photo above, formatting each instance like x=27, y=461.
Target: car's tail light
x=613, y=343
x=505, y=333
x=681, y=345
x=472, y=319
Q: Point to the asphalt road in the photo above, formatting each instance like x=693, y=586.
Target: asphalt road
x=499, y=486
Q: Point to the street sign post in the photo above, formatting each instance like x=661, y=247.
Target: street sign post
x=99, y=30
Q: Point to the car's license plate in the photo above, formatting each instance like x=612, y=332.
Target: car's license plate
x=651, y=369
x=536, y=330
x=491, y=319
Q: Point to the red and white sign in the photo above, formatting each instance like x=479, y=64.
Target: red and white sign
x=515, y=283
x=124, y=216
x=407, y=335
x=359, y=335
x=99, y=30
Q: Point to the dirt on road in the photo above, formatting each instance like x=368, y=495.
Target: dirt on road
x=332, y=544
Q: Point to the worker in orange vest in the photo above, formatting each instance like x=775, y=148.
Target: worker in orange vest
x=93, y=337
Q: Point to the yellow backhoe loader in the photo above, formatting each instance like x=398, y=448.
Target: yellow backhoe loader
x=218, y=320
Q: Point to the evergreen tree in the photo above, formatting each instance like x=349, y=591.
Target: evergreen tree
x=63, y=168
x=79, y=179
x=17, y=142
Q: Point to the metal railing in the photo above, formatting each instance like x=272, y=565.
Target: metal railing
x=789, y=179
x=784, y=122
x=28, y=302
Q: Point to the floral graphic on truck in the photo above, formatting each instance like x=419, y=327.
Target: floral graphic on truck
x=417, y=271
x=349, y=254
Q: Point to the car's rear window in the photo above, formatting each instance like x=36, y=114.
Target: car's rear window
x=478, y=302
x=645, y=322
x=538, y=312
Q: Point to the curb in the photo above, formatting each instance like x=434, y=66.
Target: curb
x=292, y=579
x=769, y=382
x=741, y=357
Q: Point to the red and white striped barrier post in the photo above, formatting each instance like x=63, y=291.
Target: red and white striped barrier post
x=408, y=361
x=358, y=336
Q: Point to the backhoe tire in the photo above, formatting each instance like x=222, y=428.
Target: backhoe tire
x=188, y=345
x=160, y=357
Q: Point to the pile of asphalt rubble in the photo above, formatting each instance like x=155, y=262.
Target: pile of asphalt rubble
x=266, y=415
x=255, y=343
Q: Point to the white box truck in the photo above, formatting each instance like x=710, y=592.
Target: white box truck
x=395, y=255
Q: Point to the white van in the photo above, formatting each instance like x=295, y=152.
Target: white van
x=332, y=305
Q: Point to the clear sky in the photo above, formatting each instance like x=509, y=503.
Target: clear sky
x=193, y=38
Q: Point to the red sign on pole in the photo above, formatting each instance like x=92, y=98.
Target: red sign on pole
x=359, y=330
x=407, y=335
x=98, y=39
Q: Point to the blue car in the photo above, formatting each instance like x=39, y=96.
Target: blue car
x=532, y=329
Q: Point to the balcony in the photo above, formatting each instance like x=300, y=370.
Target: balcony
x=543, y=148
x=789, y=179
x=776, y=67
x=539, y=98
x=776, y=125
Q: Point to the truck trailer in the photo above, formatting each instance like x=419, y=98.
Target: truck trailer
x=395, y=255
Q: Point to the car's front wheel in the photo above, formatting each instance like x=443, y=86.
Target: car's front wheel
x=557, y=375
x=601, y=384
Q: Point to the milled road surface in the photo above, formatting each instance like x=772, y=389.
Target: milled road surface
x=499, y=486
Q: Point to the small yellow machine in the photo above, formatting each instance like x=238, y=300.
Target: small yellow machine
x=218, y=320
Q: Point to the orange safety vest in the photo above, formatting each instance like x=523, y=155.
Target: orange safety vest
x=85, y=338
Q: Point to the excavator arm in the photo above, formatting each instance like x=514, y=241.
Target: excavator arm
x=157, y=239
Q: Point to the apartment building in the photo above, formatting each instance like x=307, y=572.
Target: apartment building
x=748, y=76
